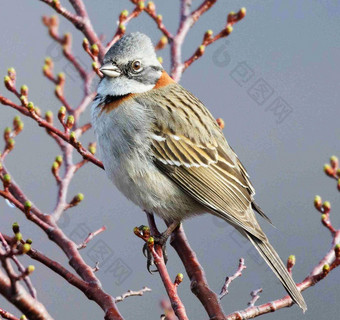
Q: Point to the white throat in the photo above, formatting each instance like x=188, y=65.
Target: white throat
x=121, y=86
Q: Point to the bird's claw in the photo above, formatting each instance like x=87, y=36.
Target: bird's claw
x=160, y=240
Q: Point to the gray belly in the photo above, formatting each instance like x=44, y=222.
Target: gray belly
x=127, y=159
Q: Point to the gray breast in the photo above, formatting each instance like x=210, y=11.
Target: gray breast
x=122, y=134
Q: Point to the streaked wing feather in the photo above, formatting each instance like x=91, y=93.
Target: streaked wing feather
x=190, y=148
x=206, y=188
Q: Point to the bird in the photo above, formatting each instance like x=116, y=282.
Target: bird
x=166, y=153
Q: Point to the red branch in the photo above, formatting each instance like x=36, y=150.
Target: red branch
x=81, y=21
x=50, y=128
x=199, y=285
x=143, y=232
x=31, y=307
x=329, y=262
x=6, y=315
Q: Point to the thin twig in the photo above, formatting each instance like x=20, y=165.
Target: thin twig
x=254, y=297
x=131, y=293
x=229, y=280
x=90, y=237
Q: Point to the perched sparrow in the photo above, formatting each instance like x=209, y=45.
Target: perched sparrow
x=165, y=152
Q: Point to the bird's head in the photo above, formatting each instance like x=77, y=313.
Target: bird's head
x=130, y=66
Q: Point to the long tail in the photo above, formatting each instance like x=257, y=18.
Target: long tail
x=273, y=260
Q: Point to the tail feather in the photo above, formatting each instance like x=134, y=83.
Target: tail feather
x=258, y=209
x=273, y=260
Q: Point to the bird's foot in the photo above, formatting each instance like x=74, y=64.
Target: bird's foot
x=160, y=241
x=155, y=241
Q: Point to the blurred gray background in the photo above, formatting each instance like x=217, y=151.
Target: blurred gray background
x=289, y=51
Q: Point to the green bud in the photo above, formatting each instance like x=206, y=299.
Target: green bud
x=49, y=116
x=15, y=227
x=28, y=204
x=29, y=241
x=58, y=91
x=16, y=119
x=124, y=13
x=18, y=236
x=70, y=122
x=46, y=69
x=55, y=166
x=56, y=3
x=30, y=269
x=73, y=137
x=164, y=40
x=10, y=144
x=141, y=5
x=317, y=201
x=145, y=229
x=11, y=71
x=328, y=169
x=62, y=111
x=334, y=162
x=61, y=77
x=23, y=100
x=7, y=178
x=292, y=259
x=94, y=49
x=30, y=106
x=179, y=278
x=24, y=90
x=94, y=65
x=242, y=13
x=231, y=16
x=151, y=6
x=26, y=247
x=326, y=268
x=337, y=250
x=208, y=34
x=23, y=317
x=122, y=28
x=85, y=42
x=92, y=148
x=79, y=197
x=8, y=83
x=201, y=49
x=229, y=30
x=59, y=159
x=327, y=206
x=48, y=61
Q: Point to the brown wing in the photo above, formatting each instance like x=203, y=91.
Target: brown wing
x=190, y=148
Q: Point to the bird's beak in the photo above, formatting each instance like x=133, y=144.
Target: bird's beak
x=110, y=70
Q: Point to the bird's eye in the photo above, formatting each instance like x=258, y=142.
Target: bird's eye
x=136, y=66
